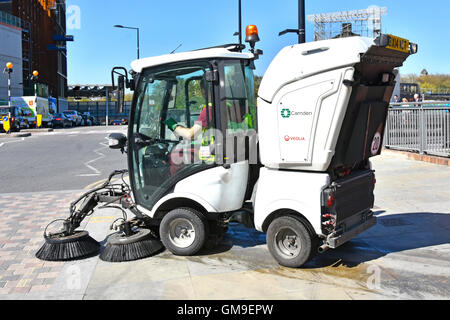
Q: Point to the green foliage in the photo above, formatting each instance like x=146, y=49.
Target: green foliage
x=435, y=82
x=258, y=80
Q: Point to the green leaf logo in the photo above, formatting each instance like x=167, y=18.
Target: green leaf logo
x=285, y=113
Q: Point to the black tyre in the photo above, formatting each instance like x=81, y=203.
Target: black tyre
x=290, y=242
x=183, y=231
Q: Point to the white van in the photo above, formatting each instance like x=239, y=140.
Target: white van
x=32, y=106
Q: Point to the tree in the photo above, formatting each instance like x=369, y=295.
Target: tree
x=431, y=82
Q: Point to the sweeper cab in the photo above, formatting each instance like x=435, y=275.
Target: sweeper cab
x=292, y=161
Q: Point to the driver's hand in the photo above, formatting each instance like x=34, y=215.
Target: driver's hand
x=171, y=124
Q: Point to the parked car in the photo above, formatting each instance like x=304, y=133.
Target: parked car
x=61, y=120
x=116, y=122
x=95, y=121
x=125, y=122
x=87, y=121
x=17, y=121
x=74, y=116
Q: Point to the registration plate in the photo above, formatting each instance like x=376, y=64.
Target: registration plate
x=399, y=44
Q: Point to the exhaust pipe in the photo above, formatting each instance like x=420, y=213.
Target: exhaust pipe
x=323, y=248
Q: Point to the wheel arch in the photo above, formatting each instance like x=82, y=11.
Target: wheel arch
x=178, y=202
x=288, y=212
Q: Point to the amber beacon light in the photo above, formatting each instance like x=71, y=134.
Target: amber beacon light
x=252, y=36
x=251, y=33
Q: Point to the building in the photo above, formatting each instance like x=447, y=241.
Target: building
x=41, y=22
x=11, y=34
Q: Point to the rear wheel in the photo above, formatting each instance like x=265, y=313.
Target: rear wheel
x=183, y=231
x=290, y=242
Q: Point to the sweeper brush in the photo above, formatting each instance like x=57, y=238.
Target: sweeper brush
x=129, y=246
x=65, y=248
x=133, y=241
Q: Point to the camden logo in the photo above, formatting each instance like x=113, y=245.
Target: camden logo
x=287, y=113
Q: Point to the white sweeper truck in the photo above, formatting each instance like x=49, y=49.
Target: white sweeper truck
x=292, y=161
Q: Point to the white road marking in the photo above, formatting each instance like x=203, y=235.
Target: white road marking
x=16, y=140
x=89, y=166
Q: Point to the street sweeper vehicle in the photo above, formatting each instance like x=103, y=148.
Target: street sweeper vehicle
x=292, y=161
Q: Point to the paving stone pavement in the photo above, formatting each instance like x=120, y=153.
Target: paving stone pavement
x=22, y=224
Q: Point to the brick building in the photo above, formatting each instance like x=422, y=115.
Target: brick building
x=40, y=22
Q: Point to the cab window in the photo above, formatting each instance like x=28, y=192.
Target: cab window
x=239, y=97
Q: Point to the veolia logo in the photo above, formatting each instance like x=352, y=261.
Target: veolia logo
x=285, y=113
x=289, y=138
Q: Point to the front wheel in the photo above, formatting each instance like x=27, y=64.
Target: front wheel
x=183, y=231
x=290, y=242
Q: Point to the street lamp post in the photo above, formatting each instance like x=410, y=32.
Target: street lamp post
x=9, y=70
x=134, y=28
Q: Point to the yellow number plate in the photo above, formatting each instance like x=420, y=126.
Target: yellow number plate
x=399, y=44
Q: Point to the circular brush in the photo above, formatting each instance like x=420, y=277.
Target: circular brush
x=122, y=247
x=60, y=247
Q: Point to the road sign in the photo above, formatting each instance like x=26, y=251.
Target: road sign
x=6, y=124
x=60, y=37
x=39, y=120
x=54, y=47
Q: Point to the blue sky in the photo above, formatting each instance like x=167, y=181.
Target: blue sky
x=203, y=23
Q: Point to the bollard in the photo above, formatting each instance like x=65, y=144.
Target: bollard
x=6, y=124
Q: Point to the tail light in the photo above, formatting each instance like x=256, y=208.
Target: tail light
x=330, y=201
x=12, y=119
x=58, y=118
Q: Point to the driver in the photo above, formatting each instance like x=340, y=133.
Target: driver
x=200, y=124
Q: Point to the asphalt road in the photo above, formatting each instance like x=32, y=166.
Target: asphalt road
x=66, y=159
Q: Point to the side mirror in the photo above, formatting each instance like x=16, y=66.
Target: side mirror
x=117, y=141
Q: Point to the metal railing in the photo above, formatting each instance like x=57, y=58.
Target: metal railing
x=97, y=109
x=422, y=127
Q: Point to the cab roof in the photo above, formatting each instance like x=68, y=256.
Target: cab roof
x=225, y=51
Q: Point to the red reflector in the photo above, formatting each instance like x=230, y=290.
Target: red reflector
x=374, y=181
x=330, y=201
x=58, y=118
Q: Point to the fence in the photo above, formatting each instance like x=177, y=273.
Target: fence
x=423, y=128
x=97, y=110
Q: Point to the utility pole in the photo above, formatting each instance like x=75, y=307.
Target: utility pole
x=240, y=22
x=301, y=23
x=107, y=105
x=239, y=32
x=133, y=28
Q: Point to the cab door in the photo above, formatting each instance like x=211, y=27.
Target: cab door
x=159, y=159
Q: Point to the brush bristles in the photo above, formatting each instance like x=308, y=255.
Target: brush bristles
x=130, y=251
x=70, y=250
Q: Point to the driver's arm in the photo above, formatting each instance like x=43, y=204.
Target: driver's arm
x=188, y=133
